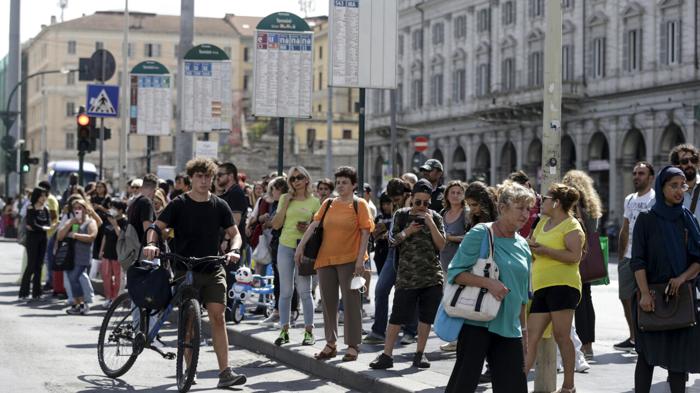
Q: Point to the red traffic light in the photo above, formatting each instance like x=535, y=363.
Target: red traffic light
x=83, y=119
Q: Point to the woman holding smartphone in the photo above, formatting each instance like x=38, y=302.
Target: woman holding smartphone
x=294, y=214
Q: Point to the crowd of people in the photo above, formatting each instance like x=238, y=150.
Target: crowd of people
x=419, y=236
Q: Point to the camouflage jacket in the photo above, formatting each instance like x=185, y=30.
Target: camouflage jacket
x=418, y=263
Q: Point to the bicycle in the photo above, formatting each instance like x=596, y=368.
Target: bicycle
x=125, y=327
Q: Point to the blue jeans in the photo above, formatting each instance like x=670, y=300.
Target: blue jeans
x=74, y=279
x=289, y=275
x=386, y=281
x=85, y=286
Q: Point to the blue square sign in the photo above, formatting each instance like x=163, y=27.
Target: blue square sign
x=102, y=101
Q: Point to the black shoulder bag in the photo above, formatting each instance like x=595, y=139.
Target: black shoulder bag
x=312, y=246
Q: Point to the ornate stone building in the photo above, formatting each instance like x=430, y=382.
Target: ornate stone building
x=471, y=75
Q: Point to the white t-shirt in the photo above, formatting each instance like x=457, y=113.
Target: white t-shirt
x=635, y=204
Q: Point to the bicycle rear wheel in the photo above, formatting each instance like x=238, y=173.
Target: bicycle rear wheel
x=189, y=326
x=115, y=345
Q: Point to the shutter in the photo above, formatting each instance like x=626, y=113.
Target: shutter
x=504, y=12
x=531, y=9
x=570, y=65
x=663, y=53
x=488, y=78
x=478, y=80
x=679, y=37
x=603, y=50
x=640, y=57
x=626, y=51
x=504, y=75
x=588, y=52
x=530, y=79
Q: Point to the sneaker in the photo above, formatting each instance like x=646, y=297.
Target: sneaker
x=283, y=338
x=74, y=310
x=229, y=378
x=420, y=360
x=107, y=304
x=84, y=309
x=625, y=346
x=308, y=338
x=408, y=339
x=271, y=320
x=583, y=367
x=382, y=362
x=373, y=339
x=449, y=347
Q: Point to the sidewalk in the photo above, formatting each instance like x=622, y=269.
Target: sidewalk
x=611, y=371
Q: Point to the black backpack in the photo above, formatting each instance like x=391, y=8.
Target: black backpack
x=149, y=287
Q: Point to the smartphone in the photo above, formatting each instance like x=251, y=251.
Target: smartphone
x=418, y=219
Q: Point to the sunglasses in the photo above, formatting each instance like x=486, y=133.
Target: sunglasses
x=296, y=178
x=418, y=202
x=685, y=161
x=547, y=197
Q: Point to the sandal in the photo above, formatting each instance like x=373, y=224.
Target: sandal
x=351, y=357
x=325, y=355
x=564, y=390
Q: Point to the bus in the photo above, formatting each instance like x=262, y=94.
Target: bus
x=59, y=174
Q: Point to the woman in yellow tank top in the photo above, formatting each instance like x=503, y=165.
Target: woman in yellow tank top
x=556, y=245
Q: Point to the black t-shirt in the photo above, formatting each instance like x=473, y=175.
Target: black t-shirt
x=197, y=224
x=436, y=199
x=238, y=202
x=110, y=238
x=140, y=210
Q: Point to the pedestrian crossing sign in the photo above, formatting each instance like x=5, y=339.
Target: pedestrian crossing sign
x=102, y=101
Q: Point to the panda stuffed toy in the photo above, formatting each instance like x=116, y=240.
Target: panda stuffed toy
x=244, y=279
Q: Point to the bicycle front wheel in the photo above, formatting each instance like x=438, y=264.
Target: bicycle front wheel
x=115, y=345
x=188, y=335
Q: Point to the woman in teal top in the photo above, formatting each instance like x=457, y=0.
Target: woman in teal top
x=503, y=340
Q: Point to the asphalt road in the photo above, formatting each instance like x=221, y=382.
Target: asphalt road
x=42, y=349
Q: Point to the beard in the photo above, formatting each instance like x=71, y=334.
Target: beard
x=690, y=173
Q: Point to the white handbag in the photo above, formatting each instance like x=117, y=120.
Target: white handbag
x=262, y=254
x=473, y=303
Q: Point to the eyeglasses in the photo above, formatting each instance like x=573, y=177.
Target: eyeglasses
x=418, y=202
x=547, y=197
x=292, y=179
x=675, y=187
x=685, y=161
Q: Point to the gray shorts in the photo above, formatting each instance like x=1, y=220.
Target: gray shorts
x=627, y=285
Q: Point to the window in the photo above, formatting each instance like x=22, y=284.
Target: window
x=130, y=49
x=484, y=20
x=509, y=13
x=459, y=85
x=535, y=69
x=320, y=52
x=70, y=78
x=632, y=50
x=508, y=74
x=320, y=80
x=460, y=26
x=99, y=45
x=246, y=54
x=71, y=47
x=378, y=101
x=310, y=138
x=436, y=89
x=417, y=93
x=438, y=33
x=567, y=62
x=671, y=42
x=70, y=141
x=246, y=81
x=151, y=50
x=70, y=109
x=399, y=97
x=400, y=44
x=536, y=8
x=567, y=5
x=598, y=57
x=483, y=79
x=417, y=38
x=155, y=142
x=347, y=134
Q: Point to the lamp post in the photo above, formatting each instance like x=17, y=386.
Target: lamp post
x=9, y=117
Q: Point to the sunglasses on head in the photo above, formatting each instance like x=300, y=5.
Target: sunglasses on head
x=418, y=202
x=685, y=161
x=297, y=177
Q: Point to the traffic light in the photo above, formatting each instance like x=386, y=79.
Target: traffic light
x=11, y=160
x=86, y=125
x=25, y=161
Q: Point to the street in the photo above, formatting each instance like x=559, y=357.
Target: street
x=43, y=349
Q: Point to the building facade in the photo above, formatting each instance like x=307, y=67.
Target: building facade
x=471, y=78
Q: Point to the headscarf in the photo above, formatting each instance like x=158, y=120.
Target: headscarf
x=672, y=232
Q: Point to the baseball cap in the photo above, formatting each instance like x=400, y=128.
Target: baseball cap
x=432, y=164
x=422, y=186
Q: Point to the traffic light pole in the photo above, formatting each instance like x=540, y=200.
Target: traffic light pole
x=81, y=160
x=102, y=144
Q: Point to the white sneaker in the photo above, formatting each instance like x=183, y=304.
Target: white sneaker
x=271, y=320
x=582, y=367
x=449, y=347
x=107, y=304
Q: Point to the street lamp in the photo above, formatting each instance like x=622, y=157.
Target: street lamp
x=9, y=117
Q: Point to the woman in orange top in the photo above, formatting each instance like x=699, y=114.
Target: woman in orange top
x=342, y=256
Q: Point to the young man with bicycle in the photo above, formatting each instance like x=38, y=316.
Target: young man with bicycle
x=197, y=217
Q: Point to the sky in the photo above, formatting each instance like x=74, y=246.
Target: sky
x=34, y=13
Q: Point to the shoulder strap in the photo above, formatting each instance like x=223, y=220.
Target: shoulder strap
x=694, y=202
x=328, y=206
x=354, y=203
x=489, y=233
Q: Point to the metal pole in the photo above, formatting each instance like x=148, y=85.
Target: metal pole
x=280, y=146
x=13, y=76
x=81, y=160
x=126, y=102
x=329, y=135
x=546, y=369
x=183, y=140
x=44, y=136
x=361, y=143
x=149, y=148
x=393, y=147
x=102, y=143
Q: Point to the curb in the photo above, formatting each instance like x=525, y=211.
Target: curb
x=355, y=375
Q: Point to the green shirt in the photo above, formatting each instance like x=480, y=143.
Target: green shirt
x=513, y=257
x=296, y=211
x=419, y=261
